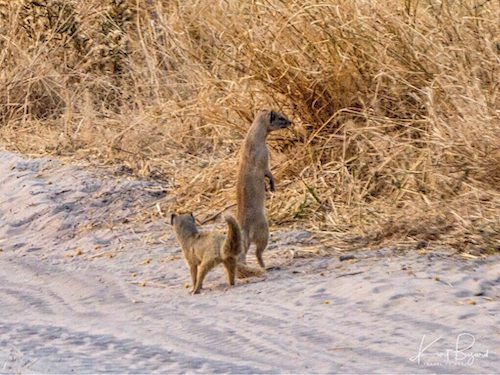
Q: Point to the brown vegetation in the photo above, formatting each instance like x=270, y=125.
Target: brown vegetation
x=395, y=104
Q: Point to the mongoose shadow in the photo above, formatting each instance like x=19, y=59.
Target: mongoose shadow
x=204, y=250
x=251, y=185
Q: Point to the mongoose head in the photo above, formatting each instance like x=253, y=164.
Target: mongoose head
x=275, y=121
x=183, y=223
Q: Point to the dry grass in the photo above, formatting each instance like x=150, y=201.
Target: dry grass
x=395, y=104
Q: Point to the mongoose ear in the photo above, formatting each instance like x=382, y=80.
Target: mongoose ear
x=272, y=116
x=172, y=217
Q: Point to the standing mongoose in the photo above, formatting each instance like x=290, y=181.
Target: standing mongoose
x=204, y=250
x=251, y=185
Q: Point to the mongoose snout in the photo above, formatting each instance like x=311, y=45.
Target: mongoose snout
x=278, y=121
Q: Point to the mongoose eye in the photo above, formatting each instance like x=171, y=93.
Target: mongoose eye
x=172, y=217
x=272, y=116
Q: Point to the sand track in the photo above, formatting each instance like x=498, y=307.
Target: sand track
x=121, y=306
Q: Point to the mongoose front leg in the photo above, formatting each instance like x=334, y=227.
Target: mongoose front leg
x=202, y=272
x=193, y=268
x=269, y=175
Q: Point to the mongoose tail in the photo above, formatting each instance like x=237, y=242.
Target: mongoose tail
x=244, y=271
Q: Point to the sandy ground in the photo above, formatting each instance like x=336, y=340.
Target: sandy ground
x=84, y=290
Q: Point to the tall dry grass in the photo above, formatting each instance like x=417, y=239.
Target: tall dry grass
x=395, y=104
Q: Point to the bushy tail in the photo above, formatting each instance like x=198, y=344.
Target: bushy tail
x=243, y=271
x=232, y=244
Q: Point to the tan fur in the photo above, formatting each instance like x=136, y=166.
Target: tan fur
x=250, y=188
x=205, y=250
x=243, y=271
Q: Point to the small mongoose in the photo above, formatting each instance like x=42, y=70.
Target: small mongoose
x=204, y=250
x=251, y=185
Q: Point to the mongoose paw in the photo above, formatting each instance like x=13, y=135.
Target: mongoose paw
x=271, y=188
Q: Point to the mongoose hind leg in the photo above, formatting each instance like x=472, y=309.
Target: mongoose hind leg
x=260, y=246
x=230, y=265
x=245, y=245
